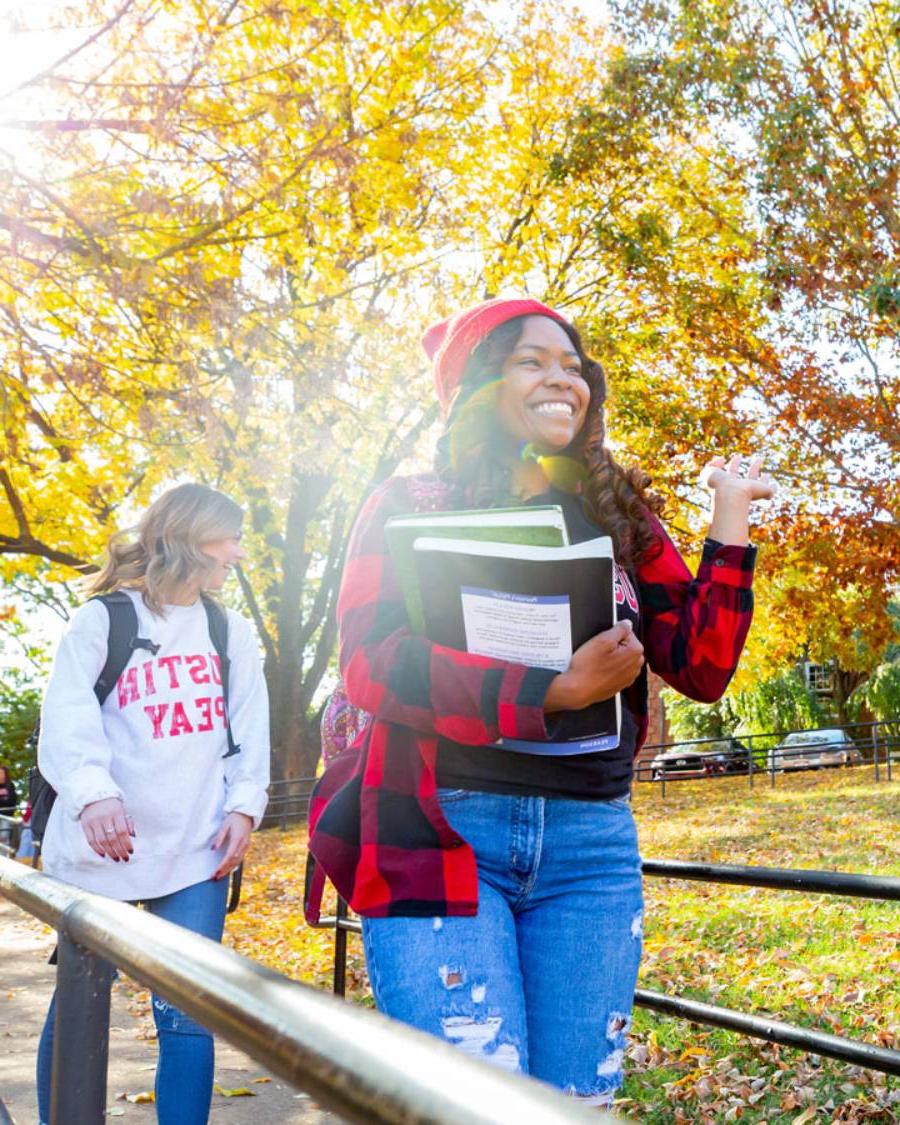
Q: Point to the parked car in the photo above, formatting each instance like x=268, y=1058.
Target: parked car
x=813, y=750
x=707, y=759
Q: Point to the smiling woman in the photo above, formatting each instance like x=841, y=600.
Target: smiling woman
x=501, y=891
x=543, y=397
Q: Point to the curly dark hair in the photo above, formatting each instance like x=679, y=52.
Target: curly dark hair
x=476, y=455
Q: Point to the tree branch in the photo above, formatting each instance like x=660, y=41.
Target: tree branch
x=98, y=34
x=15, y=503
x=31, y=546
x=26, y=233
x=70, y=125
x=330, y=577
x=253, y=605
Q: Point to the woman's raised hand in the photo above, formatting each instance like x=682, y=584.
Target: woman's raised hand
x=733, y=494
x=601, y=667
x=724, y=479
x=108, y=828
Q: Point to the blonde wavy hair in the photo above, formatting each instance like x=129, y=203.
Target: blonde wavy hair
x=163, y=551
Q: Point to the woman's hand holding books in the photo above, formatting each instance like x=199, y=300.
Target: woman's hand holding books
x=599, y=669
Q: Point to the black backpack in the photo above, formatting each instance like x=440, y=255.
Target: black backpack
x=123, y=640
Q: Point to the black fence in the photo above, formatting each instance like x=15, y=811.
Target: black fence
x=288, y=802
x=884, y=888
x=357, y=1062
x=758, y=757
x=766, y=757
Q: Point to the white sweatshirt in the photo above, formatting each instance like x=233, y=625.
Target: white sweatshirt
x=158, y=743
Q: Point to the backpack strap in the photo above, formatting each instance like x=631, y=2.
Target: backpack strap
x=123, y=640
x=217, y=620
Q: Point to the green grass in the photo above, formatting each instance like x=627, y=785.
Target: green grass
x=822, y=961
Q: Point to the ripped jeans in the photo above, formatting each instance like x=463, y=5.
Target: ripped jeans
x=184, y=1072
x=542, y=980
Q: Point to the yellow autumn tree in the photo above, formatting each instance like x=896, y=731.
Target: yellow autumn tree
x=220, y=255
x=232, y=223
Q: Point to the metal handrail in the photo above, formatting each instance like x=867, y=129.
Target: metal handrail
x=773, y=1031
x=885, y=887
x=359, y=1063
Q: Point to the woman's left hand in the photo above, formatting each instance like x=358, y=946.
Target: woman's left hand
x=234, y=837
x=723, y=478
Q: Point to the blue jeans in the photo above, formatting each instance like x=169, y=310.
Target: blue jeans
x=542, y=980
x=184, y=1072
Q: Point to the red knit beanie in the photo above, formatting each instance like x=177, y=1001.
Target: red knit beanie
x=449, y=343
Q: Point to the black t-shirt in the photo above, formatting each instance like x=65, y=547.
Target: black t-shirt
x=597, y=776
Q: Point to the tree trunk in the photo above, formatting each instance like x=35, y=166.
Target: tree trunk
x=845, y=683
x=297, y=753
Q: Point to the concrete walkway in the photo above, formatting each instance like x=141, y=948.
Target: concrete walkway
x=26, y=982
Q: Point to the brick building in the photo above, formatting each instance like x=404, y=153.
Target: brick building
x=658, y=726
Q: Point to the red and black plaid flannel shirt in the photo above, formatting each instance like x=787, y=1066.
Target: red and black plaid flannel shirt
x=376, y=826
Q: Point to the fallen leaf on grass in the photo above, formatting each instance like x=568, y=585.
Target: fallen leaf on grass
x=143, y=1098
x=808, y=1114
x=237, y=1092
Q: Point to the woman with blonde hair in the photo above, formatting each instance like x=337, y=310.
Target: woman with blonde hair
x=158, y=786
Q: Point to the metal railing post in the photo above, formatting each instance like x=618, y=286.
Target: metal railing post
x=875, y=754
x=340, y=949
x=10, y=835
x=80, y=1036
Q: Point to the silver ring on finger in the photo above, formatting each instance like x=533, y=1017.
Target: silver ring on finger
x=110, y=831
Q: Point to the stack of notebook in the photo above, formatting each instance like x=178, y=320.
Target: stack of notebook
x=506, y=583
